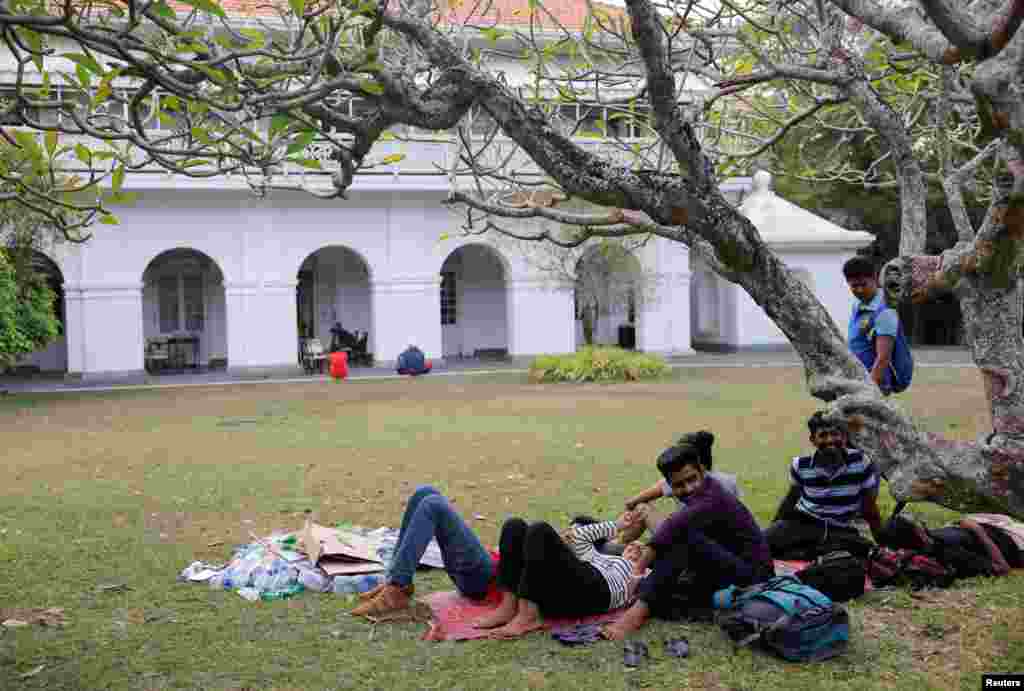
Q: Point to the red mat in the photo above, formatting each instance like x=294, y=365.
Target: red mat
x=453, y=614
x=453, y=617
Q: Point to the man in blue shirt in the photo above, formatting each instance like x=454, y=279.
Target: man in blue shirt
x=412, y=361
x=874, y=331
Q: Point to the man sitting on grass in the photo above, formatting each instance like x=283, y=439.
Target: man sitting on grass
x=831, y=489
x=413, y=362
x=702, y=441
x=714, y=540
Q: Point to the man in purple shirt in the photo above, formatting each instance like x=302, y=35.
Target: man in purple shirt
x=714, y=538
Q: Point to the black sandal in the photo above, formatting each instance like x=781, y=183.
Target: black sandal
x=634, y=653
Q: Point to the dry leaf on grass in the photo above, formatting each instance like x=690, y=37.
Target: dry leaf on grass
x=17, y=617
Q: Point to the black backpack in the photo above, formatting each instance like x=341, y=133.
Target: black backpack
x=840, y=575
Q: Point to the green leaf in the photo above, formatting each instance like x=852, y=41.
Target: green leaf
x=168, y=121
x=256, y=38
x=162, y=9
x=34, y=41
x=307, y=162
x=51, y=142
x=84, y=76
x=193, y=162
x=298, y=7
x=492, y=34
x=28, y=143
x=393, y=158
x=279, y=122
x=371, y=87
x=208, y=6
x=110, y=220
x=83, y=154
x=218, y=76
x=200, y=134
x=123, y=198
x=117, y=179
x=86, y=61
x=303, y=140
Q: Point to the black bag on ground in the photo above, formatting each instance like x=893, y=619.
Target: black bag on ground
x=840, y=575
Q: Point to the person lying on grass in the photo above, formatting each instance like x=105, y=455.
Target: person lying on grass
x=713, y=539
x=542, y=574
x=979, y=544
x=702, y=440
x=429, y=515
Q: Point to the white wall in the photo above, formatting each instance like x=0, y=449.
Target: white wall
x=742, y=324
x=260, y=244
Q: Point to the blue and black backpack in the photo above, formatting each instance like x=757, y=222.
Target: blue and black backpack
x=901, y=367
x=785, y=616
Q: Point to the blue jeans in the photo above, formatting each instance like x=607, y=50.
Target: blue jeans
x=429, y=515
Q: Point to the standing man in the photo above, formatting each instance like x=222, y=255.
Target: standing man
x=831, y=489
x=875, y=335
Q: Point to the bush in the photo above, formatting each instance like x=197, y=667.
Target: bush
x=597, y=364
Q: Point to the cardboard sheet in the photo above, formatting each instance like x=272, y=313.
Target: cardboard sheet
x=327, y=545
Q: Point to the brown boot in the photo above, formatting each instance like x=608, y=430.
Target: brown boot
x=372, y=593
x=392, y=598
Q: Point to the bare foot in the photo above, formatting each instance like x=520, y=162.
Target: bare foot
x=630, y=621
x=520, y=626
x=613, y=632
x=504, y=614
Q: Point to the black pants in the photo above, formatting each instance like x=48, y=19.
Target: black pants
x=538, y=566
x=799, y=536
x=710, y=565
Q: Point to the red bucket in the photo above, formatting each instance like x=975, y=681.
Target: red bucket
x=339, y=365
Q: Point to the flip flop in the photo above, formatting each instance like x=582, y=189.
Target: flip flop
x=580, y=634
x=634, y=653
x=677, y=647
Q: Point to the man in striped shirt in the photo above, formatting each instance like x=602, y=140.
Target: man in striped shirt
x=831, y=489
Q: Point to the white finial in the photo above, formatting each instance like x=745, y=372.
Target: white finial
x=762, y=181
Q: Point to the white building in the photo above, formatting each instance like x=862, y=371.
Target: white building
x=239, y=276
x=725, y=318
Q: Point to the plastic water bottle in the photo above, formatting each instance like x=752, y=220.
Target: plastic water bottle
x=346, y=585
x=314, y=580
x=261, y=579
x=285, y=592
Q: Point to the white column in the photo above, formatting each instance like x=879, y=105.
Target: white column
x=261, y=325
x=74, y=329
x=541, y=317
x=237, y=296
x=104, y=328
x=404, y=309
x=665, y=310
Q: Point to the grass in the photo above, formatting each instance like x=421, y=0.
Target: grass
x=129, y=487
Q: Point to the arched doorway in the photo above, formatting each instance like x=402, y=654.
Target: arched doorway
x=608, y=293
x=334, y=288
x=474, y=303
x=184, y=312
x=54, y=357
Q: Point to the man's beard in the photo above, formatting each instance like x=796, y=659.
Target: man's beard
x=830, y=457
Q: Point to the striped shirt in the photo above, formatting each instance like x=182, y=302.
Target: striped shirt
x=617, y=571
x=834, y=498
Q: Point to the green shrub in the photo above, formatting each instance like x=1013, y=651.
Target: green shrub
x=597, y=364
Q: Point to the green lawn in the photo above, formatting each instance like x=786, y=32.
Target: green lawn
x=130, y=487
